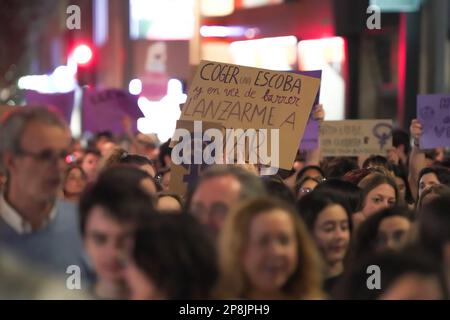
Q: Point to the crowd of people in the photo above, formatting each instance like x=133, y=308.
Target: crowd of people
x=105, y=209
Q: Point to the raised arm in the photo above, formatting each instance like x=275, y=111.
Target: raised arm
x=313, y=156
x=417, y=157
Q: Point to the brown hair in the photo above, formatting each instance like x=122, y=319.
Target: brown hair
x=373, y=180
x=304, y=283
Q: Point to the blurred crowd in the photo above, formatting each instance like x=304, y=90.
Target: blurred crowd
x=97, y=219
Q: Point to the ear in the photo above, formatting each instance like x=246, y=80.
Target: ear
x=9, y=161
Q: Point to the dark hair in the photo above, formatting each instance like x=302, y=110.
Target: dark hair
x=175, y=252
x=338, y=167
x=118, y=190
x=71, y=167
x=401, y=137
x=365, y=236
x=441, y=172
x=393, y=265
x=312, y=204
x=276, y=188
x=376, y=161
x=437, y=189
x=434, y=226
x=302, y=172
x=399, y=172
x=348, y=191
x=300, y=183
x=165, y=150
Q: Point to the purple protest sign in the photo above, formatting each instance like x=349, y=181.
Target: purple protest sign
x=61, y=102
x=433, y=113
x=310, y=139
x=105, y=110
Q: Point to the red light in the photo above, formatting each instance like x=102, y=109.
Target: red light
x=82, y=54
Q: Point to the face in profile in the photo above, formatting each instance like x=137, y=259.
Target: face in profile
x=332, y=234
x=393, y=233
x=270, y=256
x=108, y=242
x=380, y=197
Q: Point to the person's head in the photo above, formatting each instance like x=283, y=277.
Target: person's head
x=218, y=190
x=266, y=252
x=163, y=177
x=401, y=179
x=305, y=186
x=429, y=176
x=173, y=258
x=75, y=180
x=339, y=166
x=347, y=191
x=407, y=275
x=147, y=145
x=102, y=141
x=329, y=223
x=277, y=188
x=165, y=154
x=376, y=161
x=378, y=191
x=120, y=156
x=110, y=211
x=34, y=143
x=89, y=163
x=310, y=171
x=169, y=202
x=401, y=142
x=388, y=229
x=434, y=226
x=432, y=192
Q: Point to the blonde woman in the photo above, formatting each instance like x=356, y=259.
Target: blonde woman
x=266, y=253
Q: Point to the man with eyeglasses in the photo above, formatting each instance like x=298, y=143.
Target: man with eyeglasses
x=34, y=224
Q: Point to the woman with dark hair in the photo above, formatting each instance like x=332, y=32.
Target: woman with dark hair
x=110, y=210
x=378, y=191
x=310, y=171
x=432, y=192
x=408, y=275
x=329, y=223
x=173, y=259
x=390, y=229
x=75, y=180
x=434, y=235
x=430, y=176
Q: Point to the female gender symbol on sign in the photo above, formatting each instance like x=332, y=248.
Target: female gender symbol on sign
x=382, y=132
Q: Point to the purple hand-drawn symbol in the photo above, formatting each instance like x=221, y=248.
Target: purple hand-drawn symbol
x=382, y=131
x=426, y=113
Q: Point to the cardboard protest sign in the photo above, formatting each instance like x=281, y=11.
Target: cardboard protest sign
x=104, y=110
x=433, y=113
x=355, y=137
x=310, y=138
x=186, y=173
x=253, y=98
x=61, y=102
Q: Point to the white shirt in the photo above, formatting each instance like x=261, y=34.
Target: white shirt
x=16, y=221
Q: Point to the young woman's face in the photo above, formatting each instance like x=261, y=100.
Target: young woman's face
x=75, y=182
x=380, y=197
x=270, y=256
x=401, y=188
x=427, y=180
x=393, y=233
x=332, y=234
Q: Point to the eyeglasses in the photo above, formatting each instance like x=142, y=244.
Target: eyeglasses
x=46, y=155
x=304, y=190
